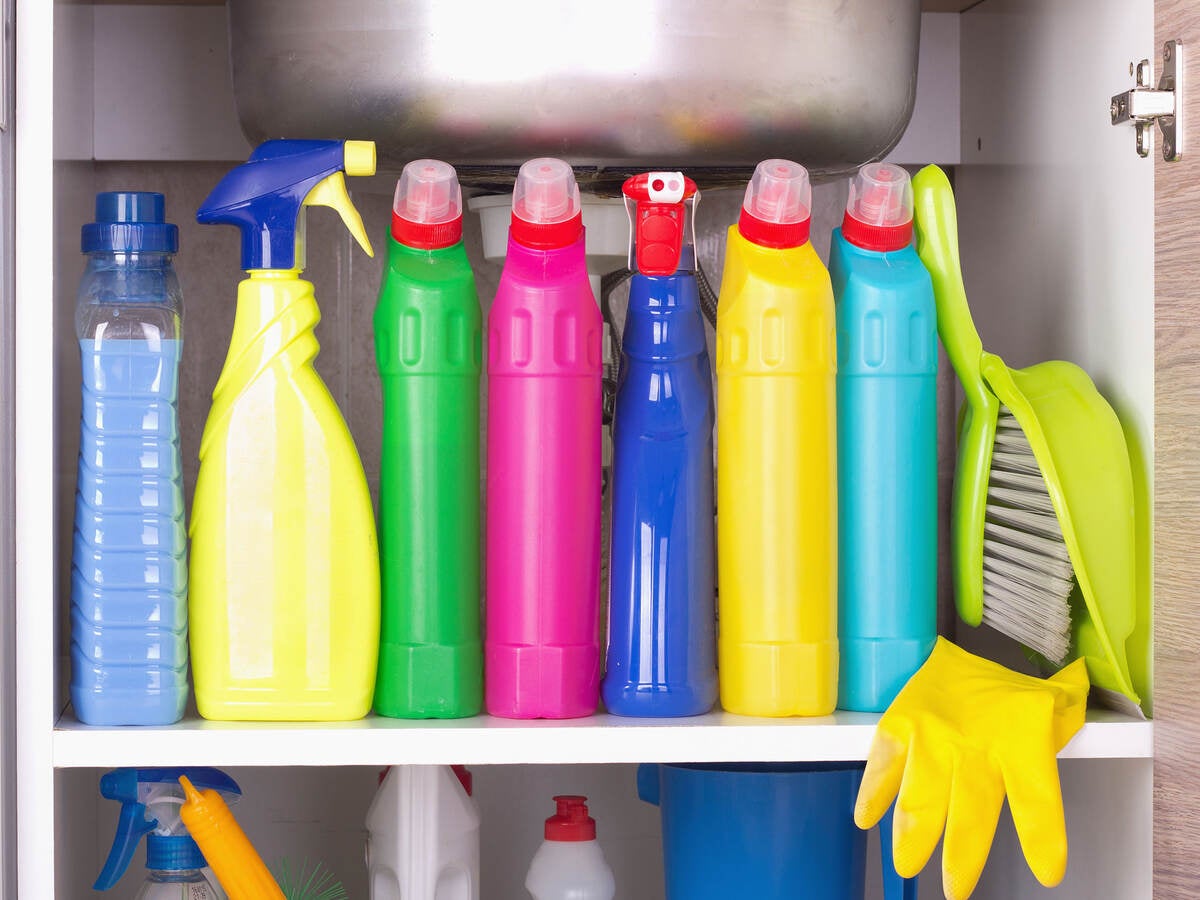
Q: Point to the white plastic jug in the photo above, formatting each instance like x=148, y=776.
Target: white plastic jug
x=424, y=835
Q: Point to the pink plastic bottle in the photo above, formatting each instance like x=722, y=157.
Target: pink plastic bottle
x=543, y=460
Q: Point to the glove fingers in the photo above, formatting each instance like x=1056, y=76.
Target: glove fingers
x=1035, y=798
x=881, y=780
x=976, y=798
x=921, y=807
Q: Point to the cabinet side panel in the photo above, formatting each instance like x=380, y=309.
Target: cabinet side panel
x=8, y=762
x=34, y=449
x=1177, y=483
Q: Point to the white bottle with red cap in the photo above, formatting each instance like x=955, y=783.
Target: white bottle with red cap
x=570, y=864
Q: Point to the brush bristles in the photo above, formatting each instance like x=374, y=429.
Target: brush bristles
x=303, y=883
x=1027, y=572
x=1117, y=701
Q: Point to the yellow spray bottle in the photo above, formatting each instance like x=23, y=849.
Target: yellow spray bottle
x=284, y=594
x=776, y=458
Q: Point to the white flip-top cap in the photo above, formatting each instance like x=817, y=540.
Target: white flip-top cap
x=546, y=192
x=779, y=192
x=881, y=194
x=778, y=204
x=428, y=193
x=879, y=209
x=427, y=209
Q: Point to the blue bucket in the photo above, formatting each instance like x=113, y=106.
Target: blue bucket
x=768, y=831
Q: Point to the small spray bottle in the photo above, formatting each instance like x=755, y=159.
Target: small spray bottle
x=661, y=636
x=151, y=804
x=284, y=606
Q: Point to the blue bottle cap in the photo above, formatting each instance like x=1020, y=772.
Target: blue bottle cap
x=130, y=221
x=177, y=853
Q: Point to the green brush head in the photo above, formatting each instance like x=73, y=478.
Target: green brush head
x=304, y=883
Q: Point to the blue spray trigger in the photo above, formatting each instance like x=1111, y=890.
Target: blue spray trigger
x=131, y=828
x=265, y=196
x=137, y=790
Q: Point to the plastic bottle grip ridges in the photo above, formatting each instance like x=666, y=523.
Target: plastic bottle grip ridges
x=129, y=572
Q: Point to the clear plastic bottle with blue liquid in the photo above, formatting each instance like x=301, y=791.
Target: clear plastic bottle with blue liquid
x=887, y=442
x=129, y=648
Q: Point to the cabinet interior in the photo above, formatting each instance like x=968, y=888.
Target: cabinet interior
x=1057, y=266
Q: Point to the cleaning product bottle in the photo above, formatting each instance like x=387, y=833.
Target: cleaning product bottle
x=129, y=562
x=570, y=865
x=887, y=442
x=234, y=861
x=661, y=635
x=543, y=460
x=428, y=344
x=285, y=569
x=151, y=804
x=423, y=841
x=776, y=457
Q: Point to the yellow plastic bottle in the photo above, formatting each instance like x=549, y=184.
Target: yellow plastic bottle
x=284, y=595
x=229, y=853
x=776, y=458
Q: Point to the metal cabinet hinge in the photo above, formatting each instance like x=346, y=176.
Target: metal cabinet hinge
x=1144, y=105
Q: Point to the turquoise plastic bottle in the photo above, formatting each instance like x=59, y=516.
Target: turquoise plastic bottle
x=887, y=442
x=428, y=334
x=129, y=637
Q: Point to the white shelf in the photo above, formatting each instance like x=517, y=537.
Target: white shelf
x=716, y=737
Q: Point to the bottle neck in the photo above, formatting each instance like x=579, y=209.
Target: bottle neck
x=170, y=876
x=545, y=264
x=129, y=259
x=274, y=274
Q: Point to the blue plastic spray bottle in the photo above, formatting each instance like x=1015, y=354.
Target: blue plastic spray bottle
x=887, y=442
x=151, y=800
x=661, y=641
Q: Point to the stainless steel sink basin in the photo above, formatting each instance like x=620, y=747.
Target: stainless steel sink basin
x=618, y=84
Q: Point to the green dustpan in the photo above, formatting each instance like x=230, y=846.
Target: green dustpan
x=1076, y=439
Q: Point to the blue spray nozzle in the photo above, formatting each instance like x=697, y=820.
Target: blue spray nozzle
x=266, y=195
x=150, y=801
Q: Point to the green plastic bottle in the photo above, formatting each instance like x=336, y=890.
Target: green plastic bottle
x=428, y=345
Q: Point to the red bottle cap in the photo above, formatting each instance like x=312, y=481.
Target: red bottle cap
x=657, y=205
x=427, y=210
x=546, y=212
x=778, y=205
x=571, y=822
x=879, y=210
x=465, y=778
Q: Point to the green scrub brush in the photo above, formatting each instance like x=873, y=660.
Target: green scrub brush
x=1043, y=509
x=303, y=883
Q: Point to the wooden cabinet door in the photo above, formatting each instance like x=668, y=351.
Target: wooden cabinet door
x=1177, y=482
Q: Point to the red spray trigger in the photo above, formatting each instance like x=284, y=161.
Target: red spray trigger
x=657, y=204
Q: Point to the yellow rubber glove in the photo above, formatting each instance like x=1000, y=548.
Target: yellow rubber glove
x=961, y=733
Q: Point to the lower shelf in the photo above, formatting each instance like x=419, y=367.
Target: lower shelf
x=484, y=740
